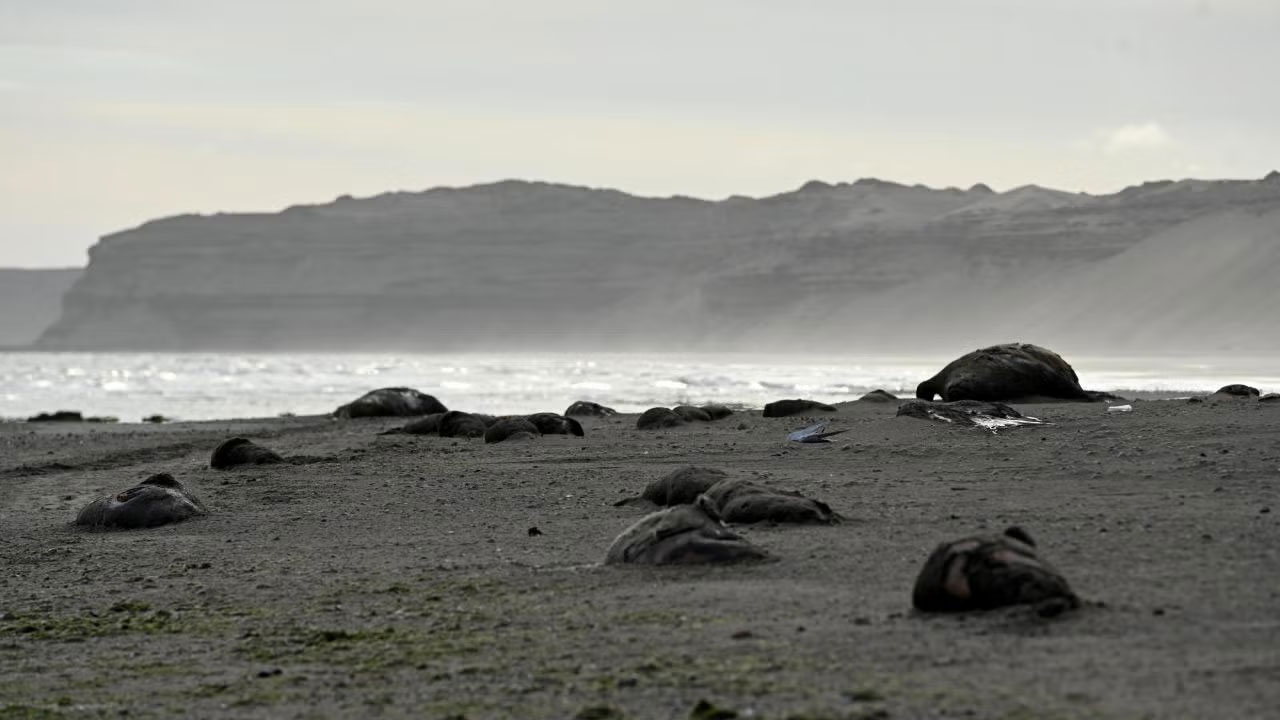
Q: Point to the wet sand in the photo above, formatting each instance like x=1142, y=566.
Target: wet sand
x=395, y=576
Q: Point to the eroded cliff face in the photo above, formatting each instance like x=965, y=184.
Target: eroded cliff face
x=869, y=266
x=30, y=301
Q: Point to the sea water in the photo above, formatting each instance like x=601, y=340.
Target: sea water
x=207, y=386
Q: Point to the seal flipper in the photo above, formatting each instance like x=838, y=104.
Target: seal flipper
x=1017, y=533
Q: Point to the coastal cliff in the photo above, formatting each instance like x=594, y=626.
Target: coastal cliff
x=31, y=300
x=866, y=266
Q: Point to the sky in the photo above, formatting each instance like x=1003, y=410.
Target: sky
x=114, y=112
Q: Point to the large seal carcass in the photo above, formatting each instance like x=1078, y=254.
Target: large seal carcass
x=1016, y=372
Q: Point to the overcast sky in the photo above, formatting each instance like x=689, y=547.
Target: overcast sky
x=113, y=112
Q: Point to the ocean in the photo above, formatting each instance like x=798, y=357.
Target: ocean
x=208, y=386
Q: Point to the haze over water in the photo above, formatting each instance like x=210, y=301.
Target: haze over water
x=208, y=386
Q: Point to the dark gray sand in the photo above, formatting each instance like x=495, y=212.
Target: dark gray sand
x=397, y=576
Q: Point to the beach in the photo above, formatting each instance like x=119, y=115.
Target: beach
x=400, y=575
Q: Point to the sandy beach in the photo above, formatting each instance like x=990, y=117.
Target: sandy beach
x=396, y=576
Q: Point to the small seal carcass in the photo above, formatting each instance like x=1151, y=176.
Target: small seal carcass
x=241, y=451
x=391, y=402
x=742, y=501
x=684, y=534
x=511, y=428
x=991, y=571
x=456, y=423
x=678, y=487
x=787, y=408
x=992, y=416
x=549, y=423
x=426, y=425
x=583, y=408
x=657, y=418
x=158, y=500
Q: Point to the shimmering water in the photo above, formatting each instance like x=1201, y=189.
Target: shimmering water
x=205, y=386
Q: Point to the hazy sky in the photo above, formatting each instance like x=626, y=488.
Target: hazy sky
x=113, y=112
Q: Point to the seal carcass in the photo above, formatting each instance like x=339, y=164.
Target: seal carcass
x=583, y=408
x=512, y=428
x=391, y=402
x=742, y=501
x=684, y=534
x=548, y=423
x=786, y=408
x=678, y=487
x=1016, y=372
x=158, y=500
x=240, y=451
x=991, y=571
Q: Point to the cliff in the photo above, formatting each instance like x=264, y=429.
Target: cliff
x=869, y=266
x=31, y=301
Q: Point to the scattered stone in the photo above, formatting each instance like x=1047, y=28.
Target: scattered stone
x=878, y=396
x=1269, y=397
x=534, y=531
x=70, y=416
x=787, y=408
x=684, y=534
x=706, y=711
x=391, y=402
x=158, y=500
x=990, y=571
x=240, y=451
x=599, y=712
x=156, y=419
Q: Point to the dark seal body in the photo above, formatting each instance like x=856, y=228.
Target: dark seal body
x=787, y=408
x=510, y=429
x=158, y=500
x=582, y=408
x=717, y=411
x=240, y=451
x=960, y=412
x=391, y=402
x=678, y=487
x=553, y=424
x=685, y=534
x=991, y=571
x=1236, y=392
x=742, y=501
x=456, y=423
x=658, y=417
x=428, y=425
x=1007, y=373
